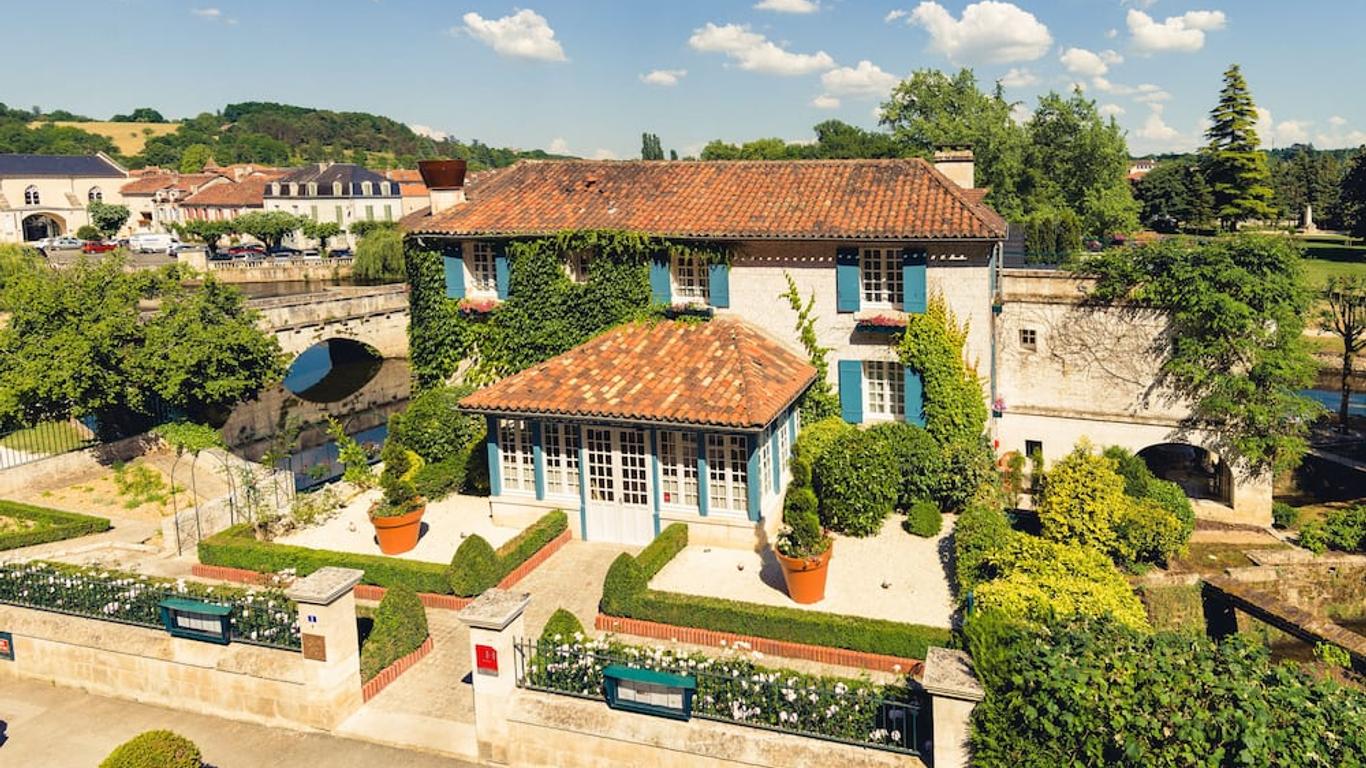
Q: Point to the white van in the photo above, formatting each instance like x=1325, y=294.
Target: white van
x=152, y=242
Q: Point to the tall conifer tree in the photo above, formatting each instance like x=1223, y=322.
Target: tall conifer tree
x=1235, y=167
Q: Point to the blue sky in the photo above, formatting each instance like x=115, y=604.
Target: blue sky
x=588, y=76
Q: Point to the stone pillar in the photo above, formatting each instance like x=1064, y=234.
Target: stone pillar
x=949, y=678
x=495, y=622
x=331, y=646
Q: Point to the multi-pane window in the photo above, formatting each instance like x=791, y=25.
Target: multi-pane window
x=601, y=486
x=483, y=277
x=576, y=265
x=881, y=273
x=31, y=196
x=678, y=468
x=785, y=445
x=635, y=476
x=689, y=277
x=727, y=468
x=369, y=213
x=96, y=195
x=561, y=448
x=1029, y=339
x=884, y=387
x=516, y=459
x=765, y=478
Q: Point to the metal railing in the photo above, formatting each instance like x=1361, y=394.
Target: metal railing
x=857, y=713
x=293, y=261
x=43, y=440
x=259, y=617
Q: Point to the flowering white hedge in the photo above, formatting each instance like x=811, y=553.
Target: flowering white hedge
x=261, y=616
x=732, y=687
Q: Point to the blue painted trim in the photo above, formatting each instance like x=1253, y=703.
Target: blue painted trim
x=847, y=289
x=718, y=285
x=453, y=261
x=991, y=271
x=754, y=487
x=501, y=273
x=851, y=390
x=792, y=426
x=914, y=395
x=661, y=291
x=538, y=458
x=657, y=495
x=583, y=484
x=915, y=296
x=495, y=465
x=775, y=459
x=703, y=481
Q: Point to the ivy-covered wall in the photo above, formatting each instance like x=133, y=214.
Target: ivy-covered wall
x=546, y=313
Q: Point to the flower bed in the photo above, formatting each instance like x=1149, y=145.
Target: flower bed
x=40, y=525
x=735, y=689
x=262, y=617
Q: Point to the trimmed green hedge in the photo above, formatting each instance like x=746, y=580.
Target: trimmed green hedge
x=477, y=567
x=625, y=593
x=400, y=628
x=237, y=547
x=155, y=749
x=51, y=525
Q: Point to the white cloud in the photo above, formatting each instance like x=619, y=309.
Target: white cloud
x=1020, y=113
x=429, y=132
x=1155, y=129
x=988, y=32
x=558, y=146
x=825, y=101
x=1080, y=61
x=523, y=35
x=1151, y=94
x=604, y=154
x=788, y=6
x=1337, y=121
x=1283, y=133
x=1112, y=33
x=1111, y=110
x=866, y=80
x=665, y=77
x=1019, y=77
x=894, y=15
x=212, y=14
x=1265, y=124
x=757, y=53
x=1175, y=33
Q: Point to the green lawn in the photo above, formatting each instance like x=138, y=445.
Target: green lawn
x=50, y=437
x=1325, y=258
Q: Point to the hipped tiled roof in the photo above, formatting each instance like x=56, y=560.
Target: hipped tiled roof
x=720, y=374
x=817, y=199
x=22, y=166
x=247, y=193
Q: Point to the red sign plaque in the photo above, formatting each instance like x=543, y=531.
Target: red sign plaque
x=486, y=659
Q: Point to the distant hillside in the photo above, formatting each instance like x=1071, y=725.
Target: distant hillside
x=255, y=132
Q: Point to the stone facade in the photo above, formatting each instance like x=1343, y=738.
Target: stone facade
x=61, y=199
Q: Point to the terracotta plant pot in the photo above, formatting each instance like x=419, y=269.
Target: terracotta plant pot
x=805, y=576
x=398, y=534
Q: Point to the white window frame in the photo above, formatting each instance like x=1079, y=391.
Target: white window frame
x=689, y=281
x=678, y=470
x=481, y=268
x=560, y=448
x=576, y=265
x=95, y=195
x=766, y=463
x=880, y=278
x=312, y=189
x=1029, y=339
x=516, y=460
x=728, y=475
x=784, y=446
x=32, y=196
x=336, y=189
x=388, y=212
x=367, y=188
x=884, y=391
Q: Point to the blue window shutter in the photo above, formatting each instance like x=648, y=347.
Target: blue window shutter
x=913, y=281
x=500, y=269
x=495, y=466
x=851, y=391
x=755, y=485
x=660, y=292
x=703, y=479
x=775, y=452
x=846, y=280
x=538, y=459
x=718, y=275
x=455, y=272
x=914, y=393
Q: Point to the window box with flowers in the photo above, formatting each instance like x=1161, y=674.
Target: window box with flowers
x=880, y=321
x=477, y=309
x=693, y=309
x=998, y=407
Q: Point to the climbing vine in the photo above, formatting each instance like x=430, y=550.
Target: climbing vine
x=955, y=410
x=546, y=312
x=819, y=401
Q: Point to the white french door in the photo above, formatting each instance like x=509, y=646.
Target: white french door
x=619, y=506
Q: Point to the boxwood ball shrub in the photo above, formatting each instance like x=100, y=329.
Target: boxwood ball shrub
x=474, y=567
x=857, y=481
x=817, y=437
x=155, y=749
x=400, y=628
x=924, y=519
x=919, y=458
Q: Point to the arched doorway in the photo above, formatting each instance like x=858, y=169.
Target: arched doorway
x=1201, y=474
x=40, y=225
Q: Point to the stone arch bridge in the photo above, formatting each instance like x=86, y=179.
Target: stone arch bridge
x=374, y=316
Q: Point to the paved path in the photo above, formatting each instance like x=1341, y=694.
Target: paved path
x=571, y=579
x=46, y=726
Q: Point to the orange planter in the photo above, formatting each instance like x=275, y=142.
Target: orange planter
x=398, y=534
x=805, y=576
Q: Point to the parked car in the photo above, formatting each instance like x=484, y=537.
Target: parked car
x=340, y=253
x=63, y=243
x=284, y=253
x=220, y=256
x=312, y=254
x=152, y=242
x=246, y=251
x=177, y=248
x=99, y=246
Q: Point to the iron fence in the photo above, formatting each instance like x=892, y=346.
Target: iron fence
x=259, y=617
x=859, y=713
x=45, y=439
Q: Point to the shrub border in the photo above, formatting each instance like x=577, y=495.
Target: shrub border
x=61, y=525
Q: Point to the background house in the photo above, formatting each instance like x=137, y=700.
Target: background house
x=338, y=192
x=46, y=195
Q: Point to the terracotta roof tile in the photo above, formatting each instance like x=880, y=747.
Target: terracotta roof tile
x=247, y=193
x=148, y=183
x=721, y=373
x=818, y=199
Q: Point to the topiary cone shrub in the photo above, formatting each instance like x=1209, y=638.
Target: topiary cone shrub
x=155, y=749
x=924, y=519
x=474, y=568
x=400, y=628
x=562, y=626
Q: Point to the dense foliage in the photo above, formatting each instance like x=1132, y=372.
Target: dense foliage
x=78, y=343
x=834, y=140
x=1235, y=344
x=920, y=463
x=24, y=525
x=924, y=519
x=379, y=256
x=1081, y=693
x=819, y=401
x=1141, y=483
x=1353, y=195
x=933, y=345
x=401, y=465
x=1174, y=196
x=400, y=628
x=562, y=626
x=858, y=482
x=1341, y=529
x=451, y=443
x=155, y=749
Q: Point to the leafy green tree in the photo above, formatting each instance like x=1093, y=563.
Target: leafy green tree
x=270, y=227
x=15, y=260
x=88, y=232
x=1352, y=194
x=322, y=231
x=1081, y=498
x=650, y=148
x=208, y=231
x=195, y=157
x=1235, y=349
x=139, y=115
x=1305, y=178
x=1078, y=161
x=1343, y=314
x=1175, y=192
x=107, y=218
x=1234, y=165
x=379, y=256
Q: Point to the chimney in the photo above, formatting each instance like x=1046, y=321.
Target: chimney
x=956, y=163
x=445, y=180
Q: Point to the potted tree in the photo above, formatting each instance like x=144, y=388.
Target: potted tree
x=803, y=548
x=397, y=516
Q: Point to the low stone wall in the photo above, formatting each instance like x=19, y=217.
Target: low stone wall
x=1317, y=584
x=549, y=730
x=57, y=469
x=238, y=681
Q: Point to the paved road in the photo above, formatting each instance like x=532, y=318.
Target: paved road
x=46, y=726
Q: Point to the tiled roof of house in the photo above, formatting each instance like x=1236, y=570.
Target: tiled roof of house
x=721, y=373
x=21, y=166
x=409, y=182
x=247, y=193
x=323, y=174
x=149, y=183
x=815, y=199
